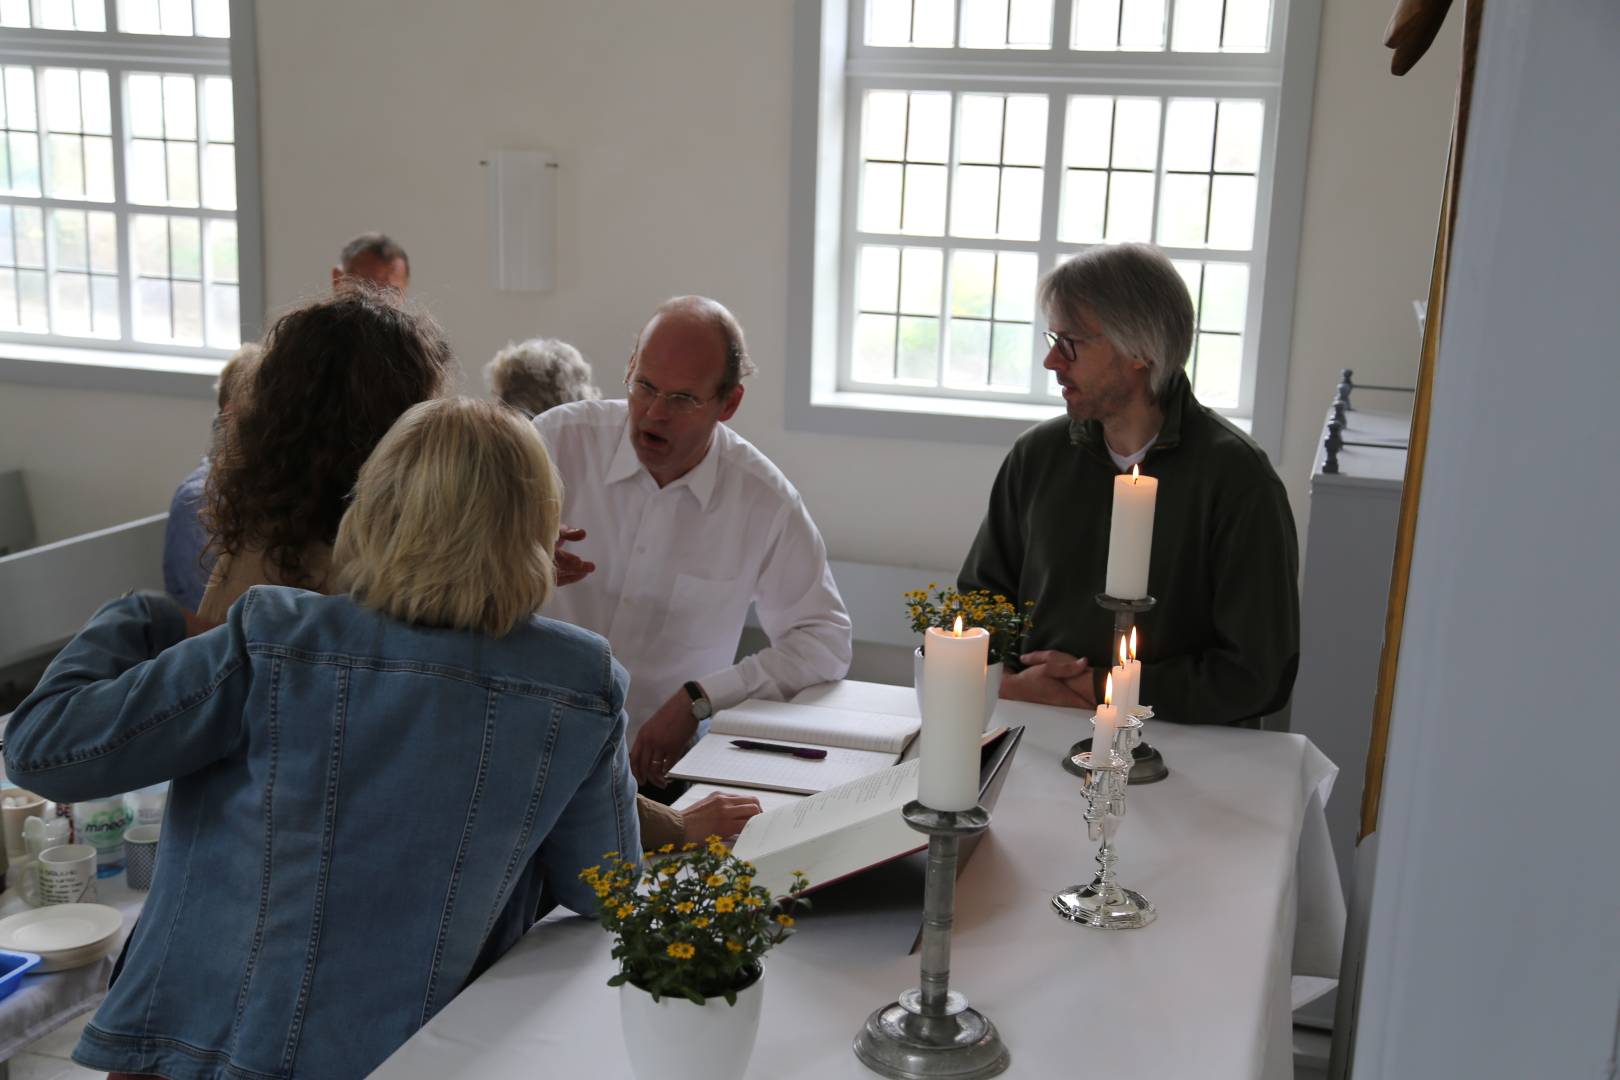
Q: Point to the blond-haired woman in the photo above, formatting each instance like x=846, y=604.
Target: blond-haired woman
x=371, y=790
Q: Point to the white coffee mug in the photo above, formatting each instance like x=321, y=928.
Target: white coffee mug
x=63, y=875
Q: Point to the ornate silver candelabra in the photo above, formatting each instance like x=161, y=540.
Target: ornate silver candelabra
x=1104, y=903
x=1146, y=765
x=931, y=1031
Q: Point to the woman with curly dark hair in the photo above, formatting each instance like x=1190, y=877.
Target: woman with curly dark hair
x=334, y=377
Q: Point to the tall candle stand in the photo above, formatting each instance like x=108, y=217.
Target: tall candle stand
x=1147, y=764
x=931, y=1031
x=1104, y=903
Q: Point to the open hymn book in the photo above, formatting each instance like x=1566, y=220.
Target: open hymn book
x=849, y=828
x=857, y=744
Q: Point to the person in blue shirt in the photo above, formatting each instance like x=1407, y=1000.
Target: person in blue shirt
x=374, y=792
x=187, y=562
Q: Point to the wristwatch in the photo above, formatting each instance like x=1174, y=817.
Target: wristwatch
x=702, y=707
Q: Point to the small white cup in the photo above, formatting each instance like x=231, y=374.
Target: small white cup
x=65, y=875
x=18, y=806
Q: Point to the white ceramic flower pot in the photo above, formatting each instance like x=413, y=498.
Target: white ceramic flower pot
x=992, y=685
x=673, y=1039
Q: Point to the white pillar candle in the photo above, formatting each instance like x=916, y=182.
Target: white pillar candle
x=1128, y=677
x=954, y=664
x=1103, y=726
x=1130, y=535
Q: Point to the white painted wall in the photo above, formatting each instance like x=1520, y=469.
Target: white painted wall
x=671, y=123
x=1493, y=945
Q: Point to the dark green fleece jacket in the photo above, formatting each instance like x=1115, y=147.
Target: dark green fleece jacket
x=1222, y=643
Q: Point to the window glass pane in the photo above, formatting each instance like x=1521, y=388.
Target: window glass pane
x=28, y=237
x=1192, y=275
x=104, y=306
x=1020, y=204
x=151, y=246
x=1183, y=210
x=61, y=100
x=224, y=317
x=13, y=13
x=222, y=251
x=1096, y=25
x=1217, y=379
x=20, y=107
x=928, y=130
x=70, y=301
x=919, y=349
x=218, y=103
x=1231, y=212
x=182, y=159
x=1225, y=297
x=1085, y=194
x=103, y=242
x=973, y=282
x=1088, y=132
x=1029, y=24
x=152, y=310
x=175, y=16
x=1189, y=132
x=32, y=312
x=145, y=106
x=1237, y=139
x=1130, y=207
x=880, y=197
x=933, y=24
x=213, y=18
x=874, y=348
x=1010, y=345
x=8, y=251
x=90, y=15
x=1248, y=25
x=1015, y=287
x=185, y=248
x=1198, y=26
x=95, y=100
x=1025, y=134
x=883, y=133
x=878, y=279
x=967, y=361
x=148, y=172
x=56, y=14
x=974, y=200
x=979, y=137
x=179, y=107
x=98, y=168
x=920, y=281
x=219, y=177
x=8, y=298
x=984, y=24
x=67, y=166
x=70, y=241
x=1141, y=25
x=924, y=200
x=23, y=154
x=138, y=17
x=188, y=312
x=888, y=22
x=1136, y=133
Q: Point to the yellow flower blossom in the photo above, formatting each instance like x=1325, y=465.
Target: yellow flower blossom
x=725, y=905
x=701, y=922
x=669, y=869
x=784, y=920
x=734, y=946
x=680, y=950
x=666, y=849
x=685, y=907
x=625, y=911
x=714, y=881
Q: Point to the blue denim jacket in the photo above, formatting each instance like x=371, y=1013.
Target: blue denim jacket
x=361, y=810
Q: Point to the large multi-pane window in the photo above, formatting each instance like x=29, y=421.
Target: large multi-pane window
x=118, y=177
x=988, y=140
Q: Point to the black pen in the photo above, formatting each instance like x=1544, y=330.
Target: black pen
x=796, y=751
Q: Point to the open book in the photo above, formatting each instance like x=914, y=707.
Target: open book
x=857, y=744
x=855, y=826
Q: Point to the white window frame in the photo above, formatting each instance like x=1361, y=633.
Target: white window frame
x=129, y=365
x=830, y=70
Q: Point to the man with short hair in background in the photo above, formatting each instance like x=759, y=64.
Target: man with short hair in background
x=1221, y=645
x=374, y=258
x=679, y=524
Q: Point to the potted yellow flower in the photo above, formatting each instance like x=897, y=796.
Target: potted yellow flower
x=1007, y=622
x=690, y=931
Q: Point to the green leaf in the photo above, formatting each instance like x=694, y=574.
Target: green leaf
x=619, y=980
x=693, y=996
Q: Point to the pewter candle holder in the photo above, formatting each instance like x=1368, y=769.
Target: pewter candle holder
x=931, y=1031
x=1104, y=903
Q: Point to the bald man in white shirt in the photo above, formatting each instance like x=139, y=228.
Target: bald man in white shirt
x=677, y=524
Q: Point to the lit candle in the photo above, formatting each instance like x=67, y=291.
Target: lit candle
x=1127, y=677
x=954, y=664
x=1103, y=727
x=1130, y=535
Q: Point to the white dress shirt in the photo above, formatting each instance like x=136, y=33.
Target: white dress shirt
x=676, y=567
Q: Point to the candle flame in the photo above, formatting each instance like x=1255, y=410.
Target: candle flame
x=1136, y=474
x=1108, y=691
x=1133, y=643
x=1122, y=652
x=957, y=631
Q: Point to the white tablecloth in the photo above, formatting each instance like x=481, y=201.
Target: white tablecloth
x=1232, y=849
x=44, y=1003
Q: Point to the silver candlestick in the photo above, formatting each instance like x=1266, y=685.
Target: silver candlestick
x=931, y=1031
x=1147, y=764
x=1104, y=902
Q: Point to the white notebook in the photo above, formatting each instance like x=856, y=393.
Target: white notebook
x=857, y=744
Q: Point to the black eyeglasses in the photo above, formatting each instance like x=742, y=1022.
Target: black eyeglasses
x=645, y=393
x=1065, y=344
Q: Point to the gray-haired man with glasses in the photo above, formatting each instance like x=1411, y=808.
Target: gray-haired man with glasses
x=677, y=524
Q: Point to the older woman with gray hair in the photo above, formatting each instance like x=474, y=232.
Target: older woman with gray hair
x=1221, y=645
x=538, y=374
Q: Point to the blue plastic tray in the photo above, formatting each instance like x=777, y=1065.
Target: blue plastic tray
x=13, y=966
